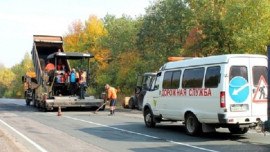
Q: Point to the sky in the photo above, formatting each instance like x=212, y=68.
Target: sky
x=21, y=19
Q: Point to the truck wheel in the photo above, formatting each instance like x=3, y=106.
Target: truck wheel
x=33, y=98
x=43, y=107
x=234, y=130
x=27, y=101
x=131, y=103
x=139, y=107
x=192, y=125
x=35, y=103
x=140, y=104
x=149, y=119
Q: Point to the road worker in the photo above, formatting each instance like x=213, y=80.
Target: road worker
x=77, y=77
x=49, y=67
x=111, y=94
x=60, y=65
x=73, y=86
x=82, y=82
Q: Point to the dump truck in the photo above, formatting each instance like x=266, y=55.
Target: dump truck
x=49, y=90
x=30, y=84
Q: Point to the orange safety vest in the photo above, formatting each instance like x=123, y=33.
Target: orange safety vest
x=112, y=93
x=77, y=75
x=49, y=67
x=83, y=78
x=26, y=85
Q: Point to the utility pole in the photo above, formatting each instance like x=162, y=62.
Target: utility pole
x=267, y=123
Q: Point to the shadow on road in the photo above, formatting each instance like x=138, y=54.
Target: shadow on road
x=134, y=132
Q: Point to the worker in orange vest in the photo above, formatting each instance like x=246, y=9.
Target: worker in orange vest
x=111, y=94
x=49, y=67
x=82, y=82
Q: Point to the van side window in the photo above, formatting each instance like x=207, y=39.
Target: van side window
x=257, y=72
x=176, y=79
x=240, y=71
x=167, y=80
x=193, y=78
x=171, y=80
x=212, y=77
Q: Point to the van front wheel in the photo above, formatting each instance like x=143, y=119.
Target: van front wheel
x=149, y=119
x=192, y=125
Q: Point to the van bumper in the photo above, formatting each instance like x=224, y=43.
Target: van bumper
x=223, y=118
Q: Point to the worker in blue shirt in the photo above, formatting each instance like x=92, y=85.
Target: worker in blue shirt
x=73, y=85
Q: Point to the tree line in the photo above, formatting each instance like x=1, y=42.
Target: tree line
x=124, y=47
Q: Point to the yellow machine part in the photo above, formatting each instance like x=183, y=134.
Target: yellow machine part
x=31, y=74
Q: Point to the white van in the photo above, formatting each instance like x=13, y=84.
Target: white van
x=227, y=91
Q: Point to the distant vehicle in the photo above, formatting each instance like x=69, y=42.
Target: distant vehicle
x=143, y=84
x=51, y=90
x=227, y=91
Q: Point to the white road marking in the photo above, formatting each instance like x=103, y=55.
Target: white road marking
x=25, y=137
x=140, y=134
x=119, y=129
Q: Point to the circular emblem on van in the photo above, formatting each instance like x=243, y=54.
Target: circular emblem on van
x=239, y=89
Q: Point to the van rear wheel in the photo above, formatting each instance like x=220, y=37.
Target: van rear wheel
x=149, y=119
x=192, y=125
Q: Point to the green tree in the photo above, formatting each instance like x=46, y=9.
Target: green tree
x=72, y=39
x=124, y=47
x=248, y=22
x=19, y=70
x=214, y=37
x=121, y=41
x=232, y=26
x=164, y=30
x=7, y=81
x=86, y=38
x=122, y=34
x=11, y=85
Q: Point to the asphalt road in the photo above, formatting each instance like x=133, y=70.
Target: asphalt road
x=24, y=128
